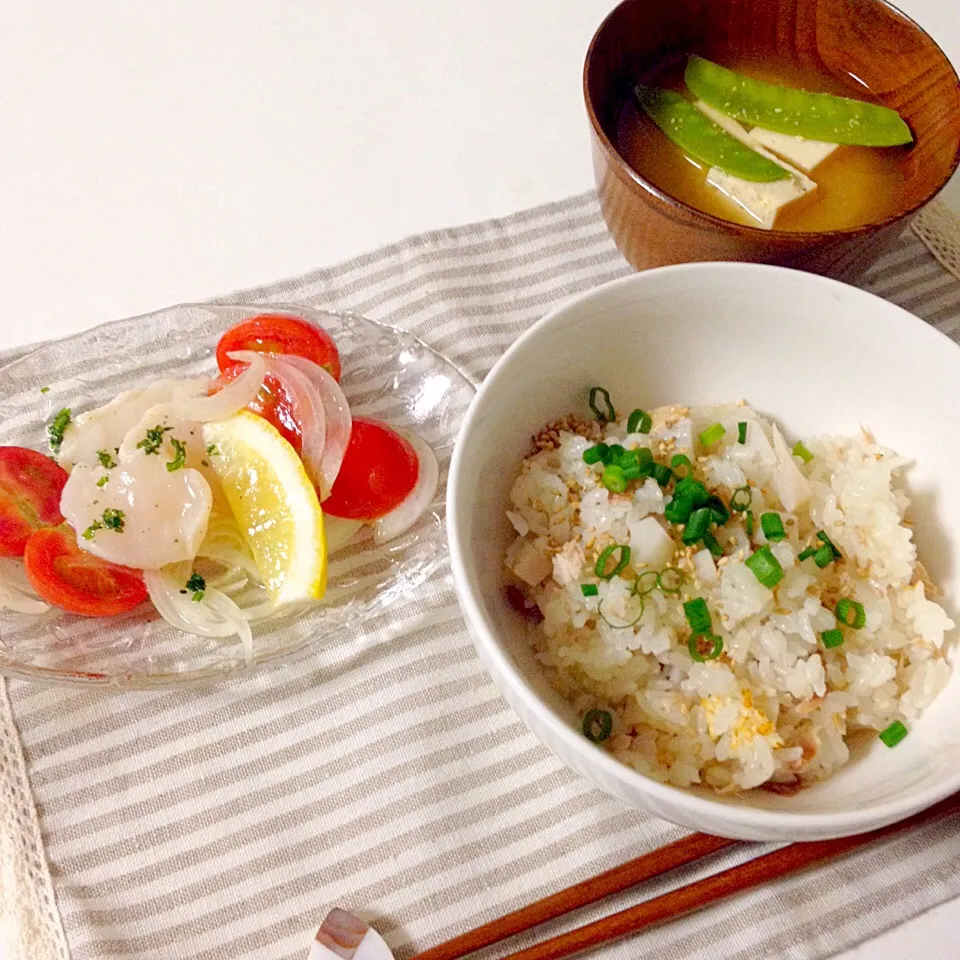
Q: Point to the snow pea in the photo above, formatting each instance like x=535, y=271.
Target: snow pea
x=699, y=137
x=816, y=116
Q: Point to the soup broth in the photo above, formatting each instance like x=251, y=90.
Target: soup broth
x=855, y=185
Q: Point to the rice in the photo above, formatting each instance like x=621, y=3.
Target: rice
x=776, y=706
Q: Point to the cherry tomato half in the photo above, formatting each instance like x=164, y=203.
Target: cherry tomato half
x=379, y=470
x=30, y=488
x=74, y=580
x=279, y=333
x=273, y=403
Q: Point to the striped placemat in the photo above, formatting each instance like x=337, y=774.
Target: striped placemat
x=383, y=773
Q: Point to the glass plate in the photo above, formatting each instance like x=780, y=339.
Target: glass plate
x=387, y=374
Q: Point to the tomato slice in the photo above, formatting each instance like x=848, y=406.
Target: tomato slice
x=273, y=403
x=74, y=580
x=30, y=488
x=281, y=333
x=379, y=470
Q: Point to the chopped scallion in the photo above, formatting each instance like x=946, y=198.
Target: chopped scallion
x=893, y=734
x=712, y=544
x=681, y=461
x=613, y=479
x=678, y=510
x=693, y=490
x=697, y=525
x=741, y=499
x=595, y=454
x=831, y=638
x=719, y=510
x=749, y=522
x=589, y=589
x=806, y=554
x=765, y=567
x=824, y=539
x=851, y=613
x=704, y=647
x=624, y=558
x=742, y=431
x=662, y=474
x=597, y=725
x=639, y=422
x=799, y=450
x=823, y=556
x=604, y=416
x=713, y=434
x=698, y=616
x=621, y=624
x=772, y=527
x=646, y=582
x=670, y=580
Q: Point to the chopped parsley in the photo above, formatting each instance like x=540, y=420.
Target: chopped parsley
x=212, y=450
x=56, y=429
x=180, y=460
x=154, y=438
x=102, y=482
x=110, y=519
x=106, y=459
x=44, y=389
x=197, y=586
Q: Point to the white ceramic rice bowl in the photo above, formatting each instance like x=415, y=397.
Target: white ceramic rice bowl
x=814, y=354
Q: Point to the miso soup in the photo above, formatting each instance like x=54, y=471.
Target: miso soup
x=855, y=185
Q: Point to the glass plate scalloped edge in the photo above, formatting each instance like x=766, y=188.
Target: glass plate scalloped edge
x=387, y=373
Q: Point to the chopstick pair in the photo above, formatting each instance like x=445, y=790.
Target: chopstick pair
x=676, y=903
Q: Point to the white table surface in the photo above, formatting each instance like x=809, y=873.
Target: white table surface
x=159, y=152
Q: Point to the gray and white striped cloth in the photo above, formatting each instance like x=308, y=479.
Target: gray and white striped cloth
x=383, y=773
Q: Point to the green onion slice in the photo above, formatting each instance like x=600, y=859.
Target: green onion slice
x=646, y=582
x=806, y=554
x=697, y=525
x=799, y=450
x=698, y=616
x=670, y=580
x=693, y=490
x=824, y=539
x=851, y=613
x=741, y=499
x=639, y=422
x=712, y=544
x=622, y=624
x=589, y=589
x=893, y=734
x=719, y=510
x=601, y=568
x=596, y=454
x=831, y=638
x=678, y=510
x=614, y=479
x=749, y=518
x=662, y=474
x=742, y=431
x=772, y=527
x=713, y=434
x=765, y=567
x=823, y=556
x=704, y=647
x=681, y=461
x=604, y=416
x=597, y=725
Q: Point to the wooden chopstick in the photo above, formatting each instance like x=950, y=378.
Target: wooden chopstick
x=694, y=896
x=686, y=850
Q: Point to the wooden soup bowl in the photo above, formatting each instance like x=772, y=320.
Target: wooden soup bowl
x=898, y=61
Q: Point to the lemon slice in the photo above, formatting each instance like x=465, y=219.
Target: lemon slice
x=274, y=504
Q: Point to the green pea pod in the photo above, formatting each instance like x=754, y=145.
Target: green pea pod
x=816, y=116
x=697, y=135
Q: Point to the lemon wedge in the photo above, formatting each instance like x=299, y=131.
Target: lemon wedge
x=274, y=504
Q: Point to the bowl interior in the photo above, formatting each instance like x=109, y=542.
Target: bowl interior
x=858, y=43
x=827, y=358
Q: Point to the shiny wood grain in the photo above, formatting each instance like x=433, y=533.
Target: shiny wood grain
x=899, y=62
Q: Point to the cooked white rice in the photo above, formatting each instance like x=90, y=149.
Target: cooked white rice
x=776, y=707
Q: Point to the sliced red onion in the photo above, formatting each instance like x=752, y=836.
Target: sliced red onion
x=308, y=407
x=411, y=509
x=339, y=420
